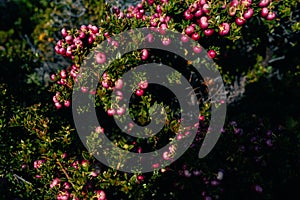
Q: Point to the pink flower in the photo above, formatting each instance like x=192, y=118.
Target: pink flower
x=55, y=182
x=38, y=163
x=100, y=195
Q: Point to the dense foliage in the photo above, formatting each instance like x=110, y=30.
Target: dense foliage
x=254, y=44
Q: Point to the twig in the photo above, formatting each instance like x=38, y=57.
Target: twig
x=22, y=179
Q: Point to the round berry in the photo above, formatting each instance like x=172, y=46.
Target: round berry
x=208, y=32
x=145, y=54
x=264, y=12
x=111, y=112
x=264, y=3
x=143, y=85
x=196, y=36
x=240, y=21
x=211, y=53
x=139, y=92
x=100, y=58
x=249, y=13
x=189, y=30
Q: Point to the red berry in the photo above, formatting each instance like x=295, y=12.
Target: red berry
x=140, y=177
x=209, y=32
x=264, y=12
x=203, y=22
x=52, y=77
x=198, y=13
x=212, y=54
x=105, y=84
x=67, y=103
x=139, y=92
x=94, y=29
x=145, y=54
x=57, y=105
x=62, y=51
x=197, y=49
x=271, y=16
x=64, y=32
x=158, y=9
x=188, y=15
x=196, y=36
x=54, y=98
x=234, y=3
x=249, y=13
x=189, y=30
x=205, y=8
x=184, y=38
x=240, y=21
x=63, y=74
x=264, y=3
x=150, y=2
x=69, y=39
x=90, y=39
x=111, y=112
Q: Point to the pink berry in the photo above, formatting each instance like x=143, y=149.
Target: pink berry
x=145, y=54
x=264, y=3
x=143, y=85
x=105, y=84
x=94, y=29
x=211, y=53
x=158, y=9
x=67, y=103
x=203, y=22
x=234, y=3
x=188, y=15
x=57, y=105
x=166, y=41
x=189, y=30
x=101, y=195
x=264, y=12
x=139, y=92
x=140, y=177
x=69, y=39
x=205, y=8
x=271, y=16
x=120, y=111
x=196, y=36
x=224, y=29
x=249, y=13
x=197, y=49
x=62, y=51
x=208, y=32
x=184, y=38
x=111, y=112
x=150, y=38
x=240, y=21
x=52, y=77
x=63, y=74
x=119, y=84
x=84, y=89
x=198, y=13
x=64, y=32
x=100, y=58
